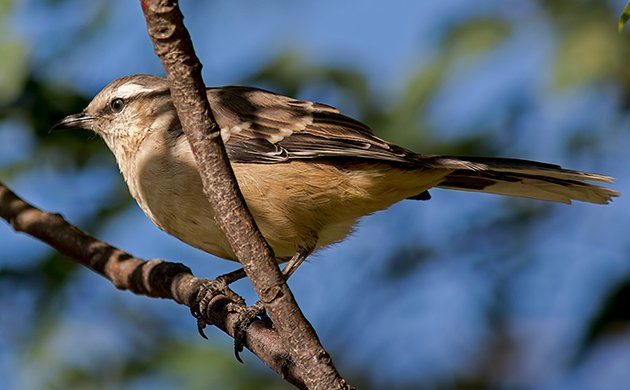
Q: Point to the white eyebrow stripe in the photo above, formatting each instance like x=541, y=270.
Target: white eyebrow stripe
x=129, y=90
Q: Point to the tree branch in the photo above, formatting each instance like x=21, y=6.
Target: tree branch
x=153, y=278
x=174, y=47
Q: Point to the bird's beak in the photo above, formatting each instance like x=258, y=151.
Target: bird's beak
x=74, y=121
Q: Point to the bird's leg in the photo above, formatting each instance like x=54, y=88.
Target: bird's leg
x=233, y=276
x=297, y=259
x=251, y=313
x=212, y=289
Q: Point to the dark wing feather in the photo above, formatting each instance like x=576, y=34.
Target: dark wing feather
x=260, y=126
x=263, y=127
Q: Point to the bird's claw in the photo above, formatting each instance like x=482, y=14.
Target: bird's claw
x=208, y=294
x=247, y=315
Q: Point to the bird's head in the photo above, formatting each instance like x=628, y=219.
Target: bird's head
x=125, y=110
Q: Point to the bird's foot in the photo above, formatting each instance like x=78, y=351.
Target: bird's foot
x=211, y=292
x=247, y=315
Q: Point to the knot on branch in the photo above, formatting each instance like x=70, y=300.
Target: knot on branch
x=271, y=294
x=163, y=31
x=165, y=21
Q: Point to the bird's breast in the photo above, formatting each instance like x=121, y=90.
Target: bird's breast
x=168, y=188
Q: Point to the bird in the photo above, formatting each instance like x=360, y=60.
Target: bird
x=307, y=172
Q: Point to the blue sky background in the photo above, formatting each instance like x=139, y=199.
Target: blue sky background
x=427, y=326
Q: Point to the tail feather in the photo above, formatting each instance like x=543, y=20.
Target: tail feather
x=523, y=178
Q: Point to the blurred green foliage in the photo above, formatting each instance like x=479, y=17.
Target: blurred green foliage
x=625, y=15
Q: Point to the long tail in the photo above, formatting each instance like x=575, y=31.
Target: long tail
x=522, y=178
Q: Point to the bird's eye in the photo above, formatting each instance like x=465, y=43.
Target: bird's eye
x=117, y=104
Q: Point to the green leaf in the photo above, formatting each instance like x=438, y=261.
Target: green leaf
x=624, y=17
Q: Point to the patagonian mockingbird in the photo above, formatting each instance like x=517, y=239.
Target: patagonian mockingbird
x=307, y=172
